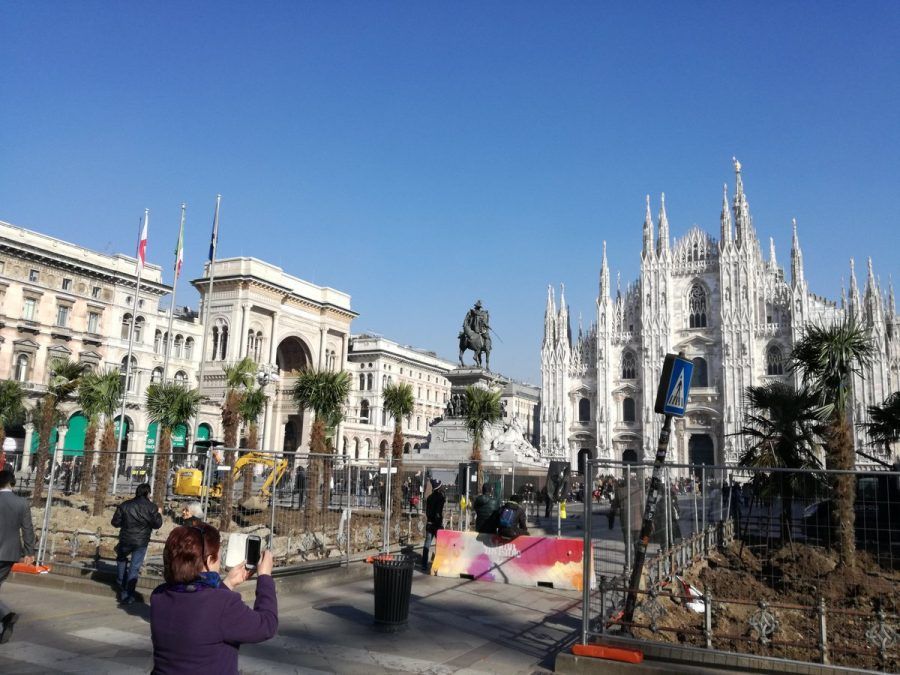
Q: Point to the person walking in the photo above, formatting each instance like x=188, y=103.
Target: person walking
x=434, y=516
x=136, y=520
x=16, y=542
x=486, y=511
x=197, y=621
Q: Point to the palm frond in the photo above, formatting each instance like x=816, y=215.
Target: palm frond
x=252, y=404
x=239, y=376
x=324, y=391
x=399, y=400
x=171, y=404
x=12, y=403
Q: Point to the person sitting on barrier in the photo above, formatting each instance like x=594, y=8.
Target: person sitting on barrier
x=434, y=516
x=511, y=519
x=197, y=620
x=486, y=508
x=192, y=514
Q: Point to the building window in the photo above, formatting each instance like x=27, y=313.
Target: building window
x=223, y=344
x=259, y=346
x=700, y=377
x=188, y=348
x=126, y=326
x=22, y=368
x=95, y=292
x=364, y=412
x=215, y=343
x=179, y=345
x=629, y=370
x=628, y=410
x=584, y=410
x=157, y=342
x=697, y=307
x=362, y=382
x=128, y=384
x=34, y=276
x=181, y=378
x=774, y=361
x=156, y=376
x=369, y=382
x=62, y=315
x=28, y=309
x=138, y=329
x=93, y=325
x=140, y=303
x=67, y=284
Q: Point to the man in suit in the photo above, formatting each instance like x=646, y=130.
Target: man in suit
x=15, y=515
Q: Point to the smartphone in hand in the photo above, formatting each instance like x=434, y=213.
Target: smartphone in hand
x=253, y=550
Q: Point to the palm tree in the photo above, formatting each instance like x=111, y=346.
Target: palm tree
x=12, y=408
x=251, y=407
x=883, y=426
x=238, y=378
x=782, y=429
x=325, y=392
x=399, y=402
x=482, y=408
x=108, y=392
x=826, y=358
x=90, y=408
x=65, y=376
x=168, y=404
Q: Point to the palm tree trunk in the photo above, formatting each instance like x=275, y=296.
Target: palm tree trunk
x=247, y=473
x=314, y=474
x=397, y=478
x=106, y=464
x=45, y=428
x=90, y=440
x=840, y=443
x=163, y=461
x=230, y=421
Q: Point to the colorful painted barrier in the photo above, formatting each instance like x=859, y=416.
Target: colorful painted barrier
x=523, y=561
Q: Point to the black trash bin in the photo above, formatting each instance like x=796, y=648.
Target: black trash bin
x=393, y=586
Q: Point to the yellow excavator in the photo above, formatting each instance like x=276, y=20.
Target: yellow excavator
x=189, y=482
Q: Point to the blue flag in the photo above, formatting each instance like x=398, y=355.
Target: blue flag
x=215, y=233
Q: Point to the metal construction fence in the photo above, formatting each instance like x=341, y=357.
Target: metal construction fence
x=309, y=508
x=748, y=560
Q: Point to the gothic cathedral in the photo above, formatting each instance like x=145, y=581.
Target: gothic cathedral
x=731, y=311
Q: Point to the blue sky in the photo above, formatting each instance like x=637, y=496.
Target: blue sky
x=421, y=155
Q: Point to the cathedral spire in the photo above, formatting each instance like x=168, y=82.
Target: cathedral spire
x=843, y=294
x=853, y=300
x=565, y=327
x=549, y=317
x=648, y=232
x=892, y=306
x=725, y=218
x=662, y=246
x=741, y=207
x=773, y=263
x=618, y=285
x=796, y=257
x=604, y=275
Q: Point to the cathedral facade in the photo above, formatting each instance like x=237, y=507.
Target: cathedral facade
x=731, y=310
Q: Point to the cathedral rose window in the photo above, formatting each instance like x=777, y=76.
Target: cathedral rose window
x=629, y=369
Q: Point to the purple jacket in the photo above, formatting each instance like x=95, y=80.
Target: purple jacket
x=201, y=631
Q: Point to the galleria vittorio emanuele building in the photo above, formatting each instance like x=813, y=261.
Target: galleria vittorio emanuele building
x=729, y=308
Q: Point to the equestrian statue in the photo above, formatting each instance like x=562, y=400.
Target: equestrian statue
x=476, y=336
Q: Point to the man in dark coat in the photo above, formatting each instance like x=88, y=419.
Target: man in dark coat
x=434, y=517
x=15, y=516
x=136, y=520
x=486, y=511
x=511, y=519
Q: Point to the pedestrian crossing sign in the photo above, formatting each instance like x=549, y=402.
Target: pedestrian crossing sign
x=674, y=386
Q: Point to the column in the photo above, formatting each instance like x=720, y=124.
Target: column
x=272, y=340
x=322, y=332
x=26, y=449
x=242, y=348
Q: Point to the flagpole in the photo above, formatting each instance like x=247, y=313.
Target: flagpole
x=137, y=293
x=206, y=305
x=169, y=336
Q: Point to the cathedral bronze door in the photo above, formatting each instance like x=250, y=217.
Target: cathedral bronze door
x=701, y=451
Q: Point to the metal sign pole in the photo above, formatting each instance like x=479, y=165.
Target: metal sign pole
x=386, y=529
x=42, y=546
x=587, y=559
x=466, y=494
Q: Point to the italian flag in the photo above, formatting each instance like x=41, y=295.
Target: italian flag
x=142, y=243
x=179, y=251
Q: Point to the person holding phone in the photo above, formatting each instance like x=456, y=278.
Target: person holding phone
x=197, y=620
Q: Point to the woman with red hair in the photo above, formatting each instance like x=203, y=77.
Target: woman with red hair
x=197, y=621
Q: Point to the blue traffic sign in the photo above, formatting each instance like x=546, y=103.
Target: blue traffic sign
x=674, y=386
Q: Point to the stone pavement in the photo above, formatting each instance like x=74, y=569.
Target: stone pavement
x=456, y=626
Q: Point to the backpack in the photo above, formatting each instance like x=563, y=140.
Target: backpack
x=508, y=516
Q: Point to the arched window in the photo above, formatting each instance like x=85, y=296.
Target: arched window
x=369, y=381
x=22, y=368
x=259, y=346
x=157, y=342
x=179, y=345
x=189, y=348
x=418, y=423
x=700, y=378
x=156, y=376
x=629, y=370
x=181, y=378
x=215, y=343
x=364, y=412
x=628, y=410
x=138, y=329
x=774, y=361
x=128, y=385
x=584, y=410
x=383, y=417
x=223, y=344
x=362, y=382
x=383, y=381
x=697, y=307
x=126, y=326
x=251, y=342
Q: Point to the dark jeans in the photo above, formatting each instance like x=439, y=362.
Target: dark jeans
x=127, y=571
x=5, y=567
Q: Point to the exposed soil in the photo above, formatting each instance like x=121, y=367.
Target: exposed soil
x=797, y=576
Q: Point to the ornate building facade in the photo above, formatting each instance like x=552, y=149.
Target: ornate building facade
x=730, y=309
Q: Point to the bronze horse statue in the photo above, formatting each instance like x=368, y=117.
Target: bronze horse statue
x=478, y=345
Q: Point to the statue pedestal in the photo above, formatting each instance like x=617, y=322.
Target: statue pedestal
x=466, y=376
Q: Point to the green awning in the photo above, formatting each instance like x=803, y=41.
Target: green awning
x=203, y=432
x=150, y=445
x=74, y=442
x=179, y=436
x=35, y=438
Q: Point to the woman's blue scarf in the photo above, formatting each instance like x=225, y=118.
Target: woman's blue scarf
x=206, y=580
